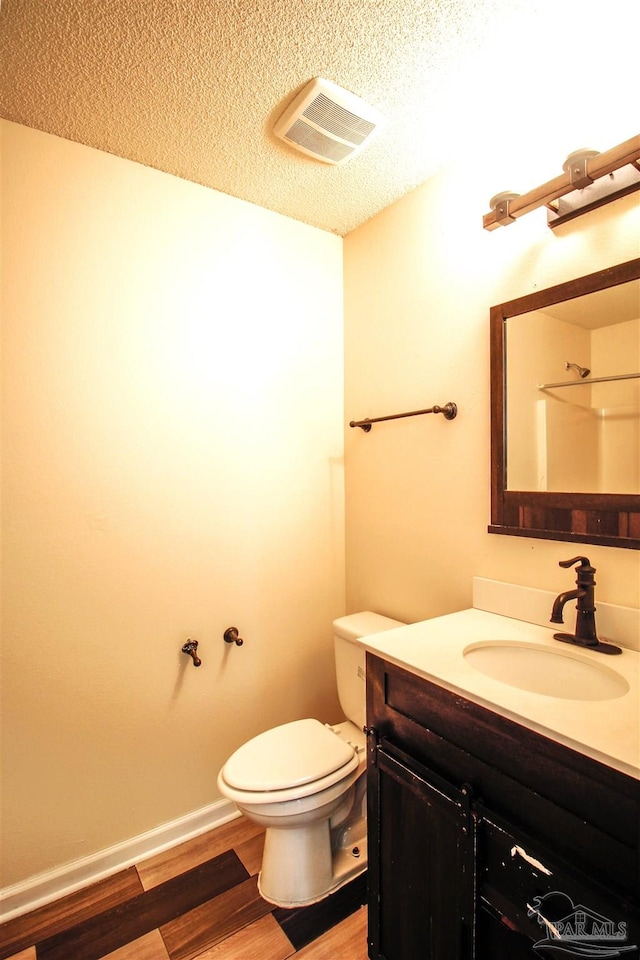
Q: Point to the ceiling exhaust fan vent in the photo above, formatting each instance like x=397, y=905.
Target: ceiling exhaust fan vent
x=327, y=122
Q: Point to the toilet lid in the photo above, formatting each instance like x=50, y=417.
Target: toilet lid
x=287, y=756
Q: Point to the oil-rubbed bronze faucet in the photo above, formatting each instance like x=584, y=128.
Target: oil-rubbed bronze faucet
x=585, y=633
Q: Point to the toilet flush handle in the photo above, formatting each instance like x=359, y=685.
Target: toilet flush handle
x=231, y=636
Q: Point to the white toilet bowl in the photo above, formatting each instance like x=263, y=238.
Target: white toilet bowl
x=312, y=804
x=306, y=783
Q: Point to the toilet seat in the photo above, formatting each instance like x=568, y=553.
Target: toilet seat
x=290, y=761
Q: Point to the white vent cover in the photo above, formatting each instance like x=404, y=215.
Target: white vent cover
x=328, y=123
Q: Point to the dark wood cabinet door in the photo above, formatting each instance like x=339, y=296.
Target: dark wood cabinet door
x=422, y=900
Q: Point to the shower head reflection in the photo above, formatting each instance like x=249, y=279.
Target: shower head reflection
x=581, y=371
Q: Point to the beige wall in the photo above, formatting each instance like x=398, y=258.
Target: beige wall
x=173, y=465
x=419, y=281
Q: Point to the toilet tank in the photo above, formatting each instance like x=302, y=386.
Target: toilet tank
x=350, y=659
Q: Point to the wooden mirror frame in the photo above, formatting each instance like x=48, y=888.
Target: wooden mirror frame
x=612, y=520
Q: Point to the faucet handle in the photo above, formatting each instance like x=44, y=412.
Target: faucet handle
x=583, y=561
x=231, y=635
x=190, y=647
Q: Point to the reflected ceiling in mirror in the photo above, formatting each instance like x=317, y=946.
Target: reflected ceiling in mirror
x=565, y=413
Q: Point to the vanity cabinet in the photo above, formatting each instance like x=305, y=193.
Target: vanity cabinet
x=475, y=821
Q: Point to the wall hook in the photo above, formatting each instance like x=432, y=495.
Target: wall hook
x=190, y=647
x=231, y=636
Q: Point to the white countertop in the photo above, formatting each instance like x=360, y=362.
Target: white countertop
x=606, y=730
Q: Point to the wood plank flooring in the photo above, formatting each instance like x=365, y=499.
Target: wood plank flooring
x=197, y=901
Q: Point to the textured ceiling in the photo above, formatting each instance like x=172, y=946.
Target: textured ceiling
x=193, y=87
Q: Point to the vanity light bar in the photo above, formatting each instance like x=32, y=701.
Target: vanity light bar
x=580, y=170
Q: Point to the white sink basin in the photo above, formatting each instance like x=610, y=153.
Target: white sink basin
x=554, y=673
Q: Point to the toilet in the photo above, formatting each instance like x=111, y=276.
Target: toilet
x=305, y=782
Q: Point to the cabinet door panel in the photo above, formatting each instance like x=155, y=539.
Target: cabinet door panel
x=425, y=893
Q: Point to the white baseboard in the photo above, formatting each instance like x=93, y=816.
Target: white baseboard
x=53, y=884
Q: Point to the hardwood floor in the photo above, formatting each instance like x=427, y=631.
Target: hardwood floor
x=197, y=901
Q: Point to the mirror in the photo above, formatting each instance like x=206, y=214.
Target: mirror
x=565, y=411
